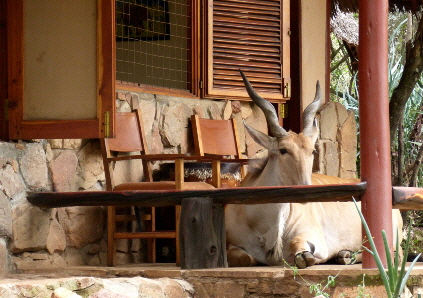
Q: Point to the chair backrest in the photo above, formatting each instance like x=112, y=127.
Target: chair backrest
x=216, y=137
x=129, y=137
x=129, y=133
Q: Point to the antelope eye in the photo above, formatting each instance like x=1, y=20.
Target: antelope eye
x=283, y=151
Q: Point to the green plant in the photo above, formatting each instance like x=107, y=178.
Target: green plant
x=318, y=289
x=393, y=280
x=362, y=289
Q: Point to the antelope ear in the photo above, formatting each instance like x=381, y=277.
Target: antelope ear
x=259, y=137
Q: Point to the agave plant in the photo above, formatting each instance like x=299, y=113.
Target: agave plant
x=393, y=279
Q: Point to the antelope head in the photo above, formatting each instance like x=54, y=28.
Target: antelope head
x=290, y=155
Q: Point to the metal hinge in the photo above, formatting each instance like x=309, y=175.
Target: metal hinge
x=200, y=84
x=283, y=111
x=288, y=32
x=286, y=87
x=107, y=124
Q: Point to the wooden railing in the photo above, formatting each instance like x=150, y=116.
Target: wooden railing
x=202, y=228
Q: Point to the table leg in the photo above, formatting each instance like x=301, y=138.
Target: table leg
x=202, y=234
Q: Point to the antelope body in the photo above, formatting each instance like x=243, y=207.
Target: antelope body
x=301, y=234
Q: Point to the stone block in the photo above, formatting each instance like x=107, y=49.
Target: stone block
x=82, y=225
x=331, y=159
x=56, y=143
x=10, y=182
x=154, y=140
x=236, y=107
x=171, y=288
x=56, y=239
x=63, y=171
x=175, y=120
x=342, y=113
x=258, y=122
x=347, y=134
x=347, y=138
x=90, y=166
x=73, y=257
x=73, y=144
x=128, y=171
x=246, y=110
x=64, y=293
x=3, y=258
x=227, y=110
x=34, y=168
x=30, y=226
x=148, y=112
x=328, y=122
x=199, y=110
x=5, y=216
x=215, y=112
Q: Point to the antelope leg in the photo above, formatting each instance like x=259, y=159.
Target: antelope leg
x=237, y=257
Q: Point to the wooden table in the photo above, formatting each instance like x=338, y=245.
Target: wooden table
x=202, y=226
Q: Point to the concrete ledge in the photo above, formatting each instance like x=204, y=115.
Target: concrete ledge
x=231, y=282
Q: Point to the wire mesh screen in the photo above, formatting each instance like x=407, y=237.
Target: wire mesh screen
x=152, y=43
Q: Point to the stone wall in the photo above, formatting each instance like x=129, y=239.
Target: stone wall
x=34, y=237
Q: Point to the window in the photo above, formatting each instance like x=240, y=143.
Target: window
x=62, y=85
x=190, y=48
x=198, y=47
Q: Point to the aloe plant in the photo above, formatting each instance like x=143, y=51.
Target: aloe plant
x=393, y=279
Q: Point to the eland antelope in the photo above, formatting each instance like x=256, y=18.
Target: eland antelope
x=301, y=234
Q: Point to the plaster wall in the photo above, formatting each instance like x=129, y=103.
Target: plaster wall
x=313, y=49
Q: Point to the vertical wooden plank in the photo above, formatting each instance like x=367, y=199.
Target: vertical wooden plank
x=286, y=45
x=202, y=234
x=4, y=132
x=216, y=180
x=111, y=241
x=106, y=65
x=195, y=122
x=15, y=66
x=178, y=229
x=179, y=173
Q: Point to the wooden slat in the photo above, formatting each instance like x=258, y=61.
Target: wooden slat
x=407, y=198
x=145, y=235
x=245, y=35
x=132, y=217
x=239, y=195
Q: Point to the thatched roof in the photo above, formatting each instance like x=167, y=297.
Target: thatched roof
x=352, y=5
x=345, y=26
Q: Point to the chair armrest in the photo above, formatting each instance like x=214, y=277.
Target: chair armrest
x=149, y=157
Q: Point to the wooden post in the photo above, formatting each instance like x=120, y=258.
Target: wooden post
x=374, y=123
x=202, y=234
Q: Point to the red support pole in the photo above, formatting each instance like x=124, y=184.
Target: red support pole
x=374, y=123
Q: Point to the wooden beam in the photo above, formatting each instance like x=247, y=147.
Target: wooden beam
x=238, y=195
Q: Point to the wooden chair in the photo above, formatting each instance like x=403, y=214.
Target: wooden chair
x=130, y=138
x=217, y=140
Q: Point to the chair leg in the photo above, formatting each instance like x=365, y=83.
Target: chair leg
x=177, y=245
x=111, y=241
x=152, y=255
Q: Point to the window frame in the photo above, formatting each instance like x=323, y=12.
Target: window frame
x=201, y=54
x=103, y=125
x=211, y=92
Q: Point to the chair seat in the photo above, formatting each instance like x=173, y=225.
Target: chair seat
x=161, y=185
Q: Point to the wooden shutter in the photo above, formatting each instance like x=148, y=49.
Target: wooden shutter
x=46, y=62
x=252, y=35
